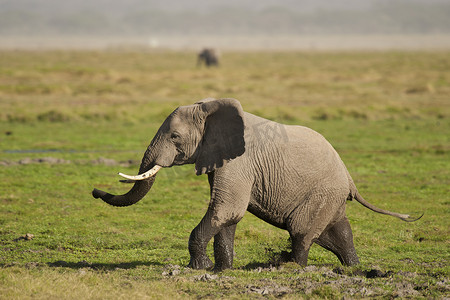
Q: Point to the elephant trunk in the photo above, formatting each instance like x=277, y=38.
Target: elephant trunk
x=137, y=192
x=140, y=188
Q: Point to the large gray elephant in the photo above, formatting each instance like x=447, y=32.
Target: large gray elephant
x=209, y=57
x=289, y=176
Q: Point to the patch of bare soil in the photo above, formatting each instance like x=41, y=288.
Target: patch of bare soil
x=57, y=161
x=267, y=288
x=27, y=161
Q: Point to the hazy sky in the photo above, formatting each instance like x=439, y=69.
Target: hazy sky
x=118, y=6
x=222, y=17
x=219, y=18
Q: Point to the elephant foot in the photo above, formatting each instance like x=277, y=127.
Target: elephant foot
x=221, y=267
x=350, y=260
x=201, y=263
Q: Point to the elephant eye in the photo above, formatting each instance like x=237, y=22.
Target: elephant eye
x=174, y=136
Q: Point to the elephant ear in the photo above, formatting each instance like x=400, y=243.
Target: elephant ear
x=223, y=137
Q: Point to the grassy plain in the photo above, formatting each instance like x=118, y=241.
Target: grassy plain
x=70, y=120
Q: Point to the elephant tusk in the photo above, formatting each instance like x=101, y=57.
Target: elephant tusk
x=143, y=176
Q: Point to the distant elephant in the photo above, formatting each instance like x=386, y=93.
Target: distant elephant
x=288, y=176
x=209, y=57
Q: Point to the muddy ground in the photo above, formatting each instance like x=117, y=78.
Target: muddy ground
x=324, y=281
x=312, y=281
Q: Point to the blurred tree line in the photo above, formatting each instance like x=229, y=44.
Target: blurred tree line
x=382, y=17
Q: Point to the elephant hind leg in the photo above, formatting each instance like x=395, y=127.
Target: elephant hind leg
x=300, y=248
x=303, y=233
x=308, y=222
x=339, y=240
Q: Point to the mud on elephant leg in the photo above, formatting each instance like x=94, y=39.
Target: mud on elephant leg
x=198, y=241
x=339, y=240
x=300, y=248
x=223, y=248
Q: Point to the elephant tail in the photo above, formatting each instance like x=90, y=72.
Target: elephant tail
x=372, y=207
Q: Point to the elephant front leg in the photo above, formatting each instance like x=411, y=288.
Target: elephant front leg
x=223, y=248
x=198, y=241
x=226, y=209
x=213, y=224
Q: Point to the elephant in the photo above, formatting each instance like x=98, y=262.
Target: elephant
x=209, y=56
x=289, y=176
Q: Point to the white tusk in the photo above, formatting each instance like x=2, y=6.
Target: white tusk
x=143, y=176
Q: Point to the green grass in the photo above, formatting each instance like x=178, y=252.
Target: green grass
x=387, y=114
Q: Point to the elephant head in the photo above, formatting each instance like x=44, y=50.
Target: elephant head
x=208, y=134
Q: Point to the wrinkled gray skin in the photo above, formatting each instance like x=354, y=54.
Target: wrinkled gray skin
x=209, y=57
x=289, y=176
